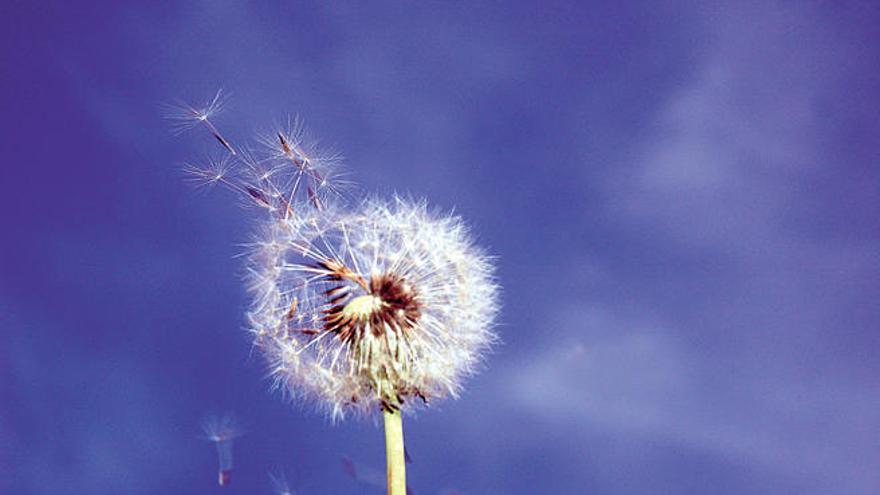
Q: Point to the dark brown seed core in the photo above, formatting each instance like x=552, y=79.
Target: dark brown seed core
x=395, y=307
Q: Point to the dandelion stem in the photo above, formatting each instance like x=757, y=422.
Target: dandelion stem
x=394, y=452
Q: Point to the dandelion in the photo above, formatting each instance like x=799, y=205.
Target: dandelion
x=222, y=430
x=379, y=307
x=382, y=306
x=360, y=306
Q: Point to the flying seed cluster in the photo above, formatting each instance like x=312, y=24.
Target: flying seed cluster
x=361, y=306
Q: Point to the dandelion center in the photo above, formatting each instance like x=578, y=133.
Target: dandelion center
x=390, y=305
x=361, y=307
x=399, y=298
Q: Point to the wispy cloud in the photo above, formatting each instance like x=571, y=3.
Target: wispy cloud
x=639, y=380
x=728, y=172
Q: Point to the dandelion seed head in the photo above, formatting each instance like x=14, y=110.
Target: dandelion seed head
x=373, y=306
x=358, y=306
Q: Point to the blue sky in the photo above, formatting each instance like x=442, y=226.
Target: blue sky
x=682, y=198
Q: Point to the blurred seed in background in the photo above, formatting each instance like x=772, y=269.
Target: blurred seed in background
x=222, y=430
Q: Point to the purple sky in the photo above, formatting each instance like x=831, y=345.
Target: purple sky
x=683, y=199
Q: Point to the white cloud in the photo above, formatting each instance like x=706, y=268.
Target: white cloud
x=723, y=173
x=636, y=380
x=730, y=149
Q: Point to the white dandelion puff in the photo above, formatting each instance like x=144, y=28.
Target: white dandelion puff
x=371, y=306
x=374, y=305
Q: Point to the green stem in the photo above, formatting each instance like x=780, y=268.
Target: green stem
x=394, y=453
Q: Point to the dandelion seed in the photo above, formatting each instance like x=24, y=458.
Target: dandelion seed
x=321, y=165
x=215, y=171
x=222, y=431
x=184, y=117
x=258, y=196
x=316, y=201
x=279, y=484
